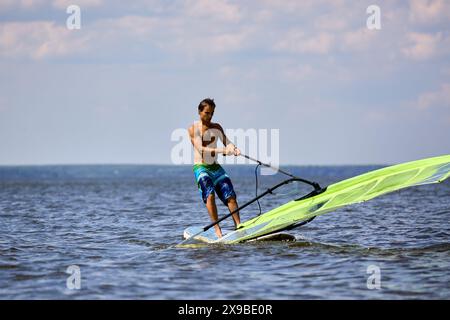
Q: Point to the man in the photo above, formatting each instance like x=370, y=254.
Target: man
x=210, y=176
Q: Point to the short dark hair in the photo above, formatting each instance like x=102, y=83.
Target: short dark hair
x=206, y=102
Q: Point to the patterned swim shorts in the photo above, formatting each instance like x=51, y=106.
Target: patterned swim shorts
x=212, y=178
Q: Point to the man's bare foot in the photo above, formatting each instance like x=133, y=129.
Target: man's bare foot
x=218, y=231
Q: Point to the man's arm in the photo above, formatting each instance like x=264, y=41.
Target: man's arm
x=230, y=148
x=196, y=140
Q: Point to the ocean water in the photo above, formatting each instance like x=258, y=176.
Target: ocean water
x=109, y=232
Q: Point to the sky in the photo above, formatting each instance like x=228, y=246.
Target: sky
x=115, y=90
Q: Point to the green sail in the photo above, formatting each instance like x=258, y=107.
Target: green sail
x=354, y=190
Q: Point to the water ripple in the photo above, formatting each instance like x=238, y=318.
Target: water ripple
x=122, y=231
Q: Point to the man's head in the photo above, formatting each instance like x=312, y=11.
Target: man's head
x=206, y=109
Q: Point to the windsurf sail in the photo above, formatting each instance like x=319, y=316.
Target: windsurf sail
x=354, y=190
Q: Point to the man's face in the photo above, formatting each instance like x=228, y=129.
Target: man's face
x=207, y=114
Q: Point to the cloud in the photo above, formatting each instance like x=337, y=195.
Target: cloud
x=203, y=45
x=430, y=11
x=332, y=22
x=196, y=29
x=359, y=40
x=377, y=116
x=422, y=46
x=296, y=41
x=213, y=11
x=126, y=26
x=180, y=35
x=435, y=99
x=263, y=16
x=60, y=4
x=304, y=5
x=38, y=40
x=299, y=72
x=24, y=4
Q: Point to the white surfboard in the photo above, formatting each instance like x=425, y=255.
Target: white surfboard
x=209, y=236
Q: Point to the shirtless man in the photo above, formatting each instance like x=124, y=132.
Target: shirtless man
x=209, y=175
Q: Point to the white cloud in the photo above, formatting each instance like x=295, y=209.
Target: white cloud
x=231, y=73
x=435, y=99
x=24, y=4
x=331, y=22
x=377, y=116
x=198, y=28
x=262, y=16
x=422, y=46
x=213, y=10
x=429, y=11
x=294, y=6
x=63, y=4
x=227, y=42
x=128, y=26
x=300, y=72
x=45, y=39
x=38, y=40
x=208, y=44
x=358, y=40
x=296, y=41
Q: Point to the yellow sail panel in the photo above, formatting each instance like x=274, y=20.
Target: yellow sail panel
x=357, y=189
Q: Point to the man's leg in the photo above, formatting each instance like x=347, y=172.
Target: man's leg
x=232, y=205
x=212, y=210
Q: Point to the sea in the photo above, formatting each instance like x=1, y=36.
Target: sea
x=111, y=232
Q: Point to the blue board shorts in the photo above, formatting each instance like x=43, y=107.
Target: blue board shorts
x=212, y=178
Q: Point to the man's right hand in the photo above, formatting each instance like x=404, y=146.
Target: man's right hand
x=229, y=150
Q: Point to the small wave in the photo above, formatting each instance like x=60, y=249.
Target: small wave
x=359, y=249
x=8, y=266
x=140, y=242
x=441, y=212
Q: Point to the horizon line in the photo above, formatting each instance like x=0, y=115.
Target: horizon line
x=169, y=164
